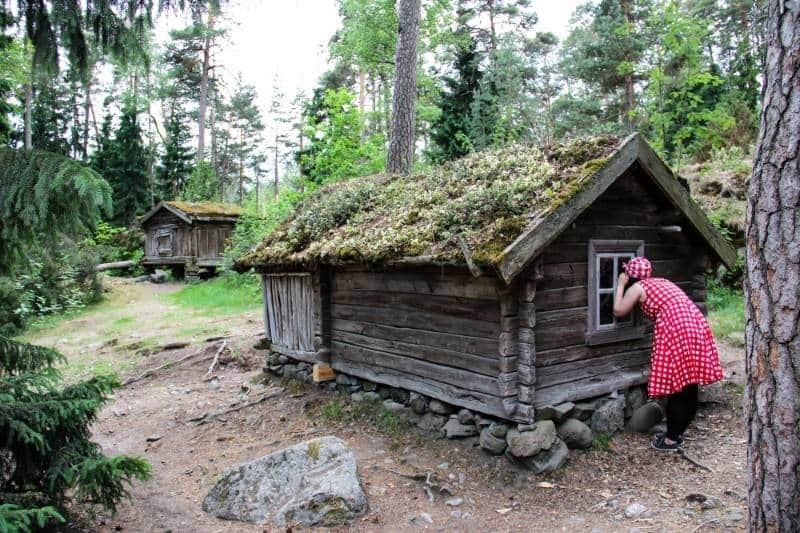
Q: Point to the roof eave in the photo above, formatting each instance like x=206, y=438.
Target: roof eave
x=519, y=254
x=162, y=204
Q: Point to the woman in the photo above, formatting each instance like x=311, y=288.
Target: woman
x=684, y=353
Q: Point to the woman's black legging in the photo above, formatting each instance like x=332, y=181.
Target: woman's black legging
x=681, y=408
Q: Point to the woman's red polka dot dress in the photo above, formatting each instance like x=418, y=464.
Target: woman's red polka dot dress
x=684, y=351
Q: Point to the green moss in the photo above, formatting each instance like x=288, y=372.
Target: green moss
x=207, y=208
x=486, y=198
x=313, y=450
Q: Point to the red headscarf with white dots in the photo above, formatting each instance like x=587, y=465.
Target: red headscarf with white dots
x=638, y=267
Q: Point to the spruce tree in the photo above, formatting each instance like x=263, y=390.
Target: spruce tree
x=176, y=164
x=45, y=448
x=127, y=170
x=450, y=131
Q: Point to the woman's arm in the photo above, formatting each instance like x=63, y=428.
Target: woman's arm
x=625, y=301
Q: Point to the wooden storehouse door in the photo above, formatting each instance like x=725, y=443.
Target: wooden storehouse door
x=289, y=316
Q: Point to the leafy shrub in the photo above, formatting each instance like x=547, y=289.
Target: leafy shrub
x=46, y=452
x=11, y=322
x=114, y=243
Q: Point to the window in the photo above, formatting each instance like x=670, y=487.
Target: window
x=164, y=243
x=605, y=264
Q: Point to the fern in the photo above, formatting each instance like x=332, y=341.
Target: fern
x=45, y=446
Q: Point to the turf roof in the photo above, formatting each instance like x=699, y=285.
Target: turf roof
x=487, y=199
x=207, y=209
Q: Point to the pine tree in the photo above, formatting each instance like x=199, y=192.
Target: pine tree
x=46, y=449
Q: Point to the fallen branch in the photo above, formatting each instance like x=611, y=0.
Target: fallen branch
x=215, y=361
x=430, y=482
x=150, y=372
x=704, y=524
x=177, y=345
x=686, y=456
x=205, y=417
x=117, y=264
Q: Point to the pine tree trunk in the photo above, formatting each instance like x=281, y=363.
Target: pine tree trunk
x=401, y=142
x=201, y=121
x=772, y=395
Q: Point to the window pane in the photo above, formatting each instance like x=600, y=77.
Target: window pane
x=606, y=303
x=606, y=274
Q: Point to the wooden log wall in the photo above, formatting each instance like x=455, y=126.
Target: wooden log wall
x=211, y=238
x=432, y=331
x=182, y=242
x=289, y=310
x=632, y=209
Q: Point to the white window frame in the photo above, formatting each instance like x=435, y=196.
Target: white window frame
x=620, y=329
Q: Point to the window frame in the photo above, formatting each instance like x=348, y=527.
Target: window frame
x=167, y=251
x=615, y=332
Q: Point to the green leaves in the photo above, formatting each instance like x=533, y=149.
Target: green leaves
x=16, y=358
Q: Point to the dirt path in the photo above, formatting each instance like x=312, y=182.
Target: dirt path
x=150, y=418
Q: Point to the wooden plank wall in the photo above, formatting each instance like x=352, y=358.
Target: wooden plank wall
x=633, y=208
x=211, y=238
x=433, y=331
x=182, y=241
x=289, y=313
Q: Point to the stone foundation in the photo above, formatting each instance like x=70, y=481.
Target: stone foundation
x=541, y=447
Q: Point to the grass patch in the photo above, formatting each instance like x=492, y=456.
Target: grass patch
x=602, y=441
x=225, y=295
x=125, y=320
x=389, y=421
x=725, y=310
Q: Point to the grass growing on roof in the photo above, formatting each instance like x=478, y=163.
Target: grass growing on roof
x=207, y=208
x=486, y=198
x=224, y=295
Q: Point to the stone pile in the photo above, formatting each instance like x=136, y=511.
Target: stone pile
x=541, y=447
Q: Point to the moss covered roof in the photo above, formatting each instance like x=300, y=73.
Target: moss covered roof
x=486, y=199
x=207, y=209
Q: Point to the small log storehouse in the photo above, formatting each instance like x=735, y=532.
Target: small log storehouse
x=187, y=236
x=487, y=283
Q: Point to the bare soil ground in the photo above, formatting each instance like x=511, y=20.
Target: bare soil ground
x=151, y=418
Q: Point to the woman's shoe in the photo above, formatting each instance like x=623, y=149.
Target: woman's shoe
x=660, y=443
x=661, y=435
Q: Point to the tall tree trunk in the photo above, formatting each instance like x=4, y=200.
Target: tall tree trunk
x=492, y=28
x=27, y=119
x=401, y=141
x=201, y=121
x=772, y=394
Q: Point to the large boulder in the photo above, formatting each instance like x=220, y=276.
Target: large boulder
x=454, y=429
x=634, y=399
x=609, y=416
x=575, y=434
x=311, y=483
x=556, y=413
x=528, y=443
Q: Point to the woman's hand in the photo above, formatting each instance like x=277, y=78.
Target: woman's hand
x=623, y=279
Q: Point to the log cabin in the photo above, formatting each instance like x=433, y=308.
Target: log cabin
x=488, y=282
x=187, y=237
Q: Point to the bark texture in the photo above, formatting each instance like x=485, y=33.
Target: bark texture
x=401, y=142
x=772, y=286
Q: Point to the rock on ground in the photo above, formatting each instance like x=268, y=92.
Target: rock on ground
x=492, y=444
x=645, y=417
x=312, y=483
x=550, y=459
x=609, y=416
x=556, y=413
x=454, y=429
x=529, y=443
x=576, y=434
